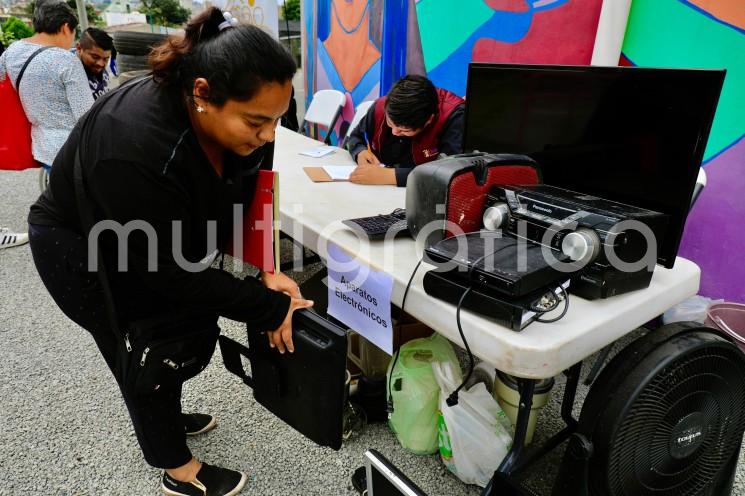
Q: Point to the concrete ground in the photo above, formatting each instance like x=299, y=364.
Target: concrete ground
x=66, y=431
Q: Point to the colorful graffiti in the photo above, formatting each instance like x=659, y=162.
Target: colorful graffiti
x=705, y=34
x=349, y=49
x=343, y=46
x=525, y=31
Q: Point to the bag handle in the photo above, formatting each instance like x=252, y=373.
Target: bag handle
x=25, y=65
x=231, y=356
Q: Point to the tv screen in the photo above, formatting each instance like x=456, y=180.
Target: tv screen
x=628, y=134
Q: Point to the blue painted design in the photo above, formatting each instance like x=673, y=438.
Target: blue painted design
x=310, y=63
x=363, y=88
x=367, y=83
x=737, y=140
x=710, y=16
x=341, y=24
x=395, y=19
x=323, y=16
x=508, y=27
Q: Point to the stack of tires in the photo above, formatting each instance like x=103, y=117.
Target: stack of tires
x=133, y=49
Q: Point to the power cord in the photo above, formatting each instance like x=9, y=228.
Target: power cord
x=389, y=405
x=563, y=312
x=452, y=400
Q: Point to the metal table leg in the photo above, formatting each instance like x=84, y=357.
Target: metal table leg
x=520, y=458
x=510, y=462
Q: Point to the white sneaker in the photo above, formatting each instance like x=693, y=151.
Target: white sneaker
x=9, y=238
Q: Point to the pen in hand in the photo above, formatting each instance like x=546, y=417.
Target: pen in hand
x=367, y=157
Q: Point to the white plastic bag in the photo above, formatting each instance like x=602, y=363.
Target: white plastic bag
x=472, y=435
x=690, y=309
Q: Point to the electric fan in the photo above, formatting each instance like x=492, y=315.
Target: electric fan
x=665, y=418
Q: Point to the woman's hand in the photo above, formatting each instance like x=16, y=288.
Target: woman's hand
x=365, y=174
x=280, y=282
x=281, y=338
x=366, y=157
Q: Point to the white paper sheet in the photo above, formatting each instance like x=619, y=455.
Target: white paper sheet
x=319, y=151
x=339, y=172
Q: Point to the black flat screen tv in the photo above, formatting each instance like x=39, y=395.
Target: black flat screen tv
x=629, y=134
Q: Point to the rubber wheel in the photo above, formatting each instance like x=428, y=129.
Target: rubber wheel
x=131, y=43
x=129, y=63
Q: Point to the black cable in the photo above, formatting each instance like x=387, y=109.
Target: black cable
x=563, y=312
x=452, y=400
x=389, y=406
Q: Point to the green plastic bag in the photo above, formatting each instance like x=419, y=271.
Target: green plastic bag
x=415, y=392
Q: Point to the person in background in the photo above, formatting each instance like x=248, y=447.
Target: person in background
x=412, y=125
x=186, y=154
x=53, y=91
x=94, y=51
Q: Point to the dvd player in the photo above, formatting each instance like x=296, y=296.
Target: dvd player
x=511, y=266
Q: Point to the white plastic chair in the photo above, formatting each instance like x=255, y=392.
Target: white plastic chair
x=359, y=114
x=324, y=110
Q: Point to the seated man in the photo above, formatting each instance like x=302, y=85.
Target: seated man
x=94, y=51
x=414, y=124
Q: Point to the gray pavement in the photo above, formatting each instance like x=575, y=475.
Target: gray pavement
x=65, y=429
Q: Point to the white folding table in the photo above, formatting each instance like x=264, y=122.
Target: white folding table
x=311, y=213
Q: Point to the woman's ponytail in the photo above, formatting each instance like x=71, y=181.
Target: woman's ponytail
x=235, y=60
x=167, y=59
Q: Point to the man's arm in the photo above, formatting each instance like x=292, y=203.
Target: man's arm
x=357, y=143
x=451, y=137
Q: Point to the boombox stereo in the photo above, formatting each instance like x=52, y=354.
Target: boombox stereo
x=613, y=246
x=448, y=196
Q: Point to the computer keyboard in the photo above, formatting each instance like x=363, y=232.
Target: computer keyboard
x=377, y=226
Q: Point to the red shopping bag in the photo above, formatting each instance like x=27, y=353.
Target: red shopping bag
x=15, y=131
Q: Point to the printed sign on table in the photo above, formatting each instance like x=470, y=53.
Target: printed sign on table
x=360, y=297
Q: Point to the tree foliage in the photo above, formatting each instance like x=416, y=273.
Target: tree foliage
x=94, y=17
x=14, y=29
x=291, y=10
x=166, y=12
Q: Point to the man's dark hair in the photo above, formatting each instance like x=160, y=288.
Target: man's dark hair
x=412, y=100
x=96, y=37
x=49, y=17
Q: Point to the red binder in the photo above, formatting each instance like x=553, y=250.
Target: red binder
x=259, y=245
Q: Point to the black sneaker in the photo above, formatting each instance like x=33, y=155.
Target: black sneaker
x=210, y=481
x=197, y=423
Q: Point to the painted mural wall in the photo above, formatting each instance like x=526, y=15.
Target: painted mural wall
x=343, y=51
x=360, y=47
x=525, y=31
x=705, y=34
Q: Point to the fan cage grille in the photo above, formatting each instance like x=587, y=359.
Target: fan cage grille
x=709, y=380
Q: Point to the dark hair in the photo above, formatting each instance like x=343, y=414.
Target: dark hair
x=49, y=17
x=411, y=101
x=236, y=61
x=97, y=37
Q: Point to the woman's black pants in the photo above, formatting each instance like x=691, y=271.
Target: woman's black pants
x=61, y=259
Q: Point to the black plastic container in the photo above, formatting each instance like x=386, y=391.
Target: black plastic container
x=306, y=389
